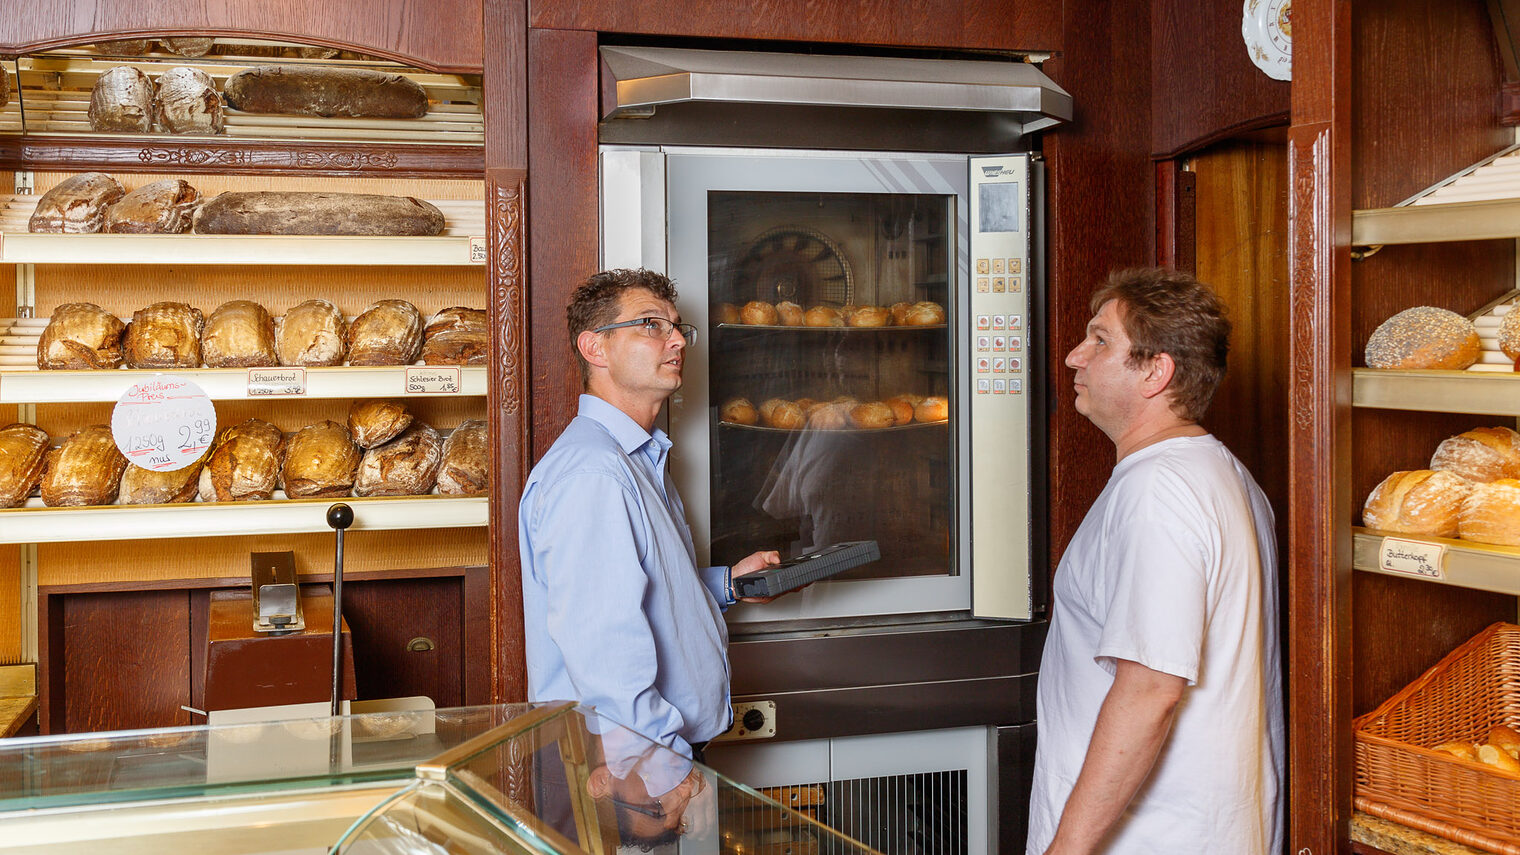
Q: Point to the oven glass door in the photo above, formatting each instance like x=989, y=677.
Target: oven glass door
x=819, y=402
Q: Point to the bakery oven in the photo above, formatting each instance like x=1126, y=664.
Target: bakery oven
x=857, y=240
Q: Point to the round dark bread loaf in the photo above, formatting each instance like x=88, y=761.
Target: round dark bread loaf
x=466, y=469
x=160, y=208
x=77, y=205
x=314, y=91
x=405, y=466
x=387, y=333
x=122, y=101
x=457, y=336
x=297, y=213
x=188, y=45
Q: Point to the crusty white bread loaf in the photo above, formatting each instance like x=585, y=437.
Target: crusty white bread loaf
x=122, y=101
x=164, y=335
x=1491, y=513
x=80, y=336
x=85, y=470
x=186, y=102
x=292, y=212
x=1480, y=454
x=239, y=334
x=318, y=91
x=1420, y=501
x=5, y=87
x=377, y=421
x=312, y=333
x=160, y=208
x=76, y=205
x=23, y=452
x=1424, y=337
x=141, y=486
x=466, y=468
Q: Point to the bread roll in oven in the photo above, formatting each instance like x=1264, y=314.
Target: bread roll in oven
x=1421, y=501
x=375, y=422
x=186, y=102
x=1481, y=454
x=23, y=453
x=923, y=314
x=902, y=407
x=239, y=334
x=320, y=462
x=739, y=411
x=456, y=336
x=932, y=409
x=831, y=416
x=1491, y=513
x=80, y=336
x=244, y=464
x=122, y=101
x=758, y=313
x=141, y=486
x=85, y=470
x=405, y=466
x=869, y=316
x=466, y=467
x=1424, y=337
x=726, y=313
x=872, y=415
x=164, y=335
x=160, y=208
x=76, y=205
x=789, y=314
x=387, y=333
x=311, y=333
x=823, y=316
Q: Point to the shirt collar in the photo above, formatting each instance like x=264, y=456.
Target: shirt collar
x=629, y=436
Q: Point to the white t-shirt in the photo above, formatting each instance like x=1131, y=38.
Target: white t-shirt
x=1174, y=567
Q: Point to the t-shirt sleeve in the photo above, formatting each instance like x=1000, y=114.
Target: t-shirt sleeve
x=1158, y=586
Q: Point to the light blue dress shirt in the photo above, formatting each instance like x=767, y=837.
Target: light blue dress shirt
x=616, y=613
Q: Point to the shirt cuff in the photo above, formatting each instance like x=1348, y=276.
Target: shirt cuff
x=719, y=582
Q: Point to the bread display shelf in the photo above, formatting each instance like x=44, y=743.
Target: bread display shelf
x=1481, y=202
x=222, y=384
x=1479, y=393
x=1466, y=564
x=894, y=429
x=26, y=248
x=37, y=524
x=780, y=328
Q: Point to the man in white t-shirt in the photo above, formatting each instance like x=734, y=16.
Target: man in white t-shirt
x=1160, y=693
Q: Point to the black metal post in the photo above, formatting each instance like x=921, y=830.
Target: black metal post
x=340, y=517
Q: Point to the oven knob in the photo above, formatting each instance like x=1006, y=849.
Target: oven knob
x=753, y=720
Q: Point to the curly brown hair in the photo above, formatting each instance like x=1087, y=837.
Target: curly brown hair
x=596, y=301
x=1171, y=312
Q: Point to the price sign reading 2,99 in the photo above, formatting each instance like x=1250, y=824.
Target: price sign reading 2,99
x=164, y=423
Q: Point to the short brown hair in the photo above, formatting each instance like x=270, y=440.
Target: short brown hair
x=1167, y=311
x=595, y=303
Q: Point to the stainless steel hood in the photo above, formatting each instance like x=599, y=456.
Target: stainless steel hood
x=701, y=96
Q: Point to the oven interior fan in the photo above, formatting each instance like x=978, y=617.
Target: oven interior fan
x=795, y=263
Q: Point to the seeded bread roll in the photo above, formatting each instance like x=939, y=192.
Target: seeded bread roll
x=320, y=462
x=456, y=336
x=80, y=336
x=244, y=464
x=308, y=213
x=85, y=470
x=165, y=335
x=738, y=411
x=405, y=466
x=188, y=45
x=239, y=334
x=1491, y=513
x=1509, y=333
x=186, y=102
x=375, y=422
x=76, y=205
x=122, y=101
x=387, y=333
x=466, y=468
x=789, y=314
x=141, y=486
x=310, y=334
x=758, y=313
x=1417, y=502
x=23, y=452
x=823, y=316
x=1424, y=337
x=328, y=92
x=160, y=208
x=1481, y=454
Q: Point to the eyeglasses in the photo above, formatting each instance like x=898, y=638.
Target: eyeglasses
x=657, y=328
x=655, y=810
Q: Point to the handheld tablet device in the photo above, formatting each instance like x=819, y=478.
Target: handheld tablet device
x=809, y=567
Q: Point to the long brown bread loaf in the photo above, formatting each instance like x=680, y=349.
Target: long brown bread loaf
x=328, y=92
x=239, y=334
x=457, y=336
x=141, y=486
x=5, y=87
x=165, y=335
x=387, y=333
x=377, y=421
x=85, y=470
x=188, y=45
x=186, y=102
x=80, y=336
x=297, y=213
x=124, y=47
x=160, y=208
x=244, y=464
x=320, y=461
x=311, y=333
x=122, y=101
x=466, y=468
x=23, y=452
x=76, y=205
x=405, y=466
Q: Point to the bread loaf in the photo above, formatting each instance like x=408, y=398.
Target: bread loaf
x=80, y=336
x=1417, y=502
x=872, y=416
x=1493, y=755
x=726, y=313
x=405, y=466
x=76, y=205
x=456, y=336
x=1481, y=454
x=466, y=467
x=789, y=314
x=387, y=333
x=738, y=411
x=85, y=470
x=1505, y=737
x=186, y=102
x=758, y=313
x=320, y=462
x=900, y=313
x=122, y=101
x=902, y=407
x=831, y=416
x=1463, y=750
x=328, y=92
x=141, y=486
x=5, y=87
x=1424, y=337
x=165, y=335
x=160, y=208
x=1491, y=513
x=375, y=422
x=926, y=313
x=932, y=409
x=869, y=316
x=23, y=452
x=306, y=213
x=239, y=334
x=311, y=334
x=244, y=465
x=823, y=316
x=124, y=47
x=188, y=45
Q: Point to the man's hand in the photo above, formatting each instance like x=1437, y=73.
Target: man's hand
x=750, y=564
x=675, y=802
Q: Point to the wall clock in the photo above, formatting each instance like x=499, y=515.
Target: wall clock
x=1267, y=27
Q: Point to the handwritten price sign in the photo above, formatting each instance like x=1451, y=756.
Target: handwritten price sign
x=163, y=424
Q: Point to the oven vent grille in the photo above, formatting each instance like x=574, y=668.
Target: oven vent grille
x=917, y=814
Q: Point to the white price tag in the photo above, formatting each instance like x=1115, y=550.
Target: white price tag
x=276, y=381
x=478, y=250
x=1413, y=558
x=433, y=380
x=163, y=424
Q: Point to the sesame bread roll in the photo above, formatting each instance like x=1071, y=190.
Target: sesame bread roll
x=1481, y=454
x=1424, y=337
x=1417, y=502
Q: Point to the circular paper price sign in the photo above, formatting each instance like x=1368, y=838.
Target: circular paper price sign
x=164, y=423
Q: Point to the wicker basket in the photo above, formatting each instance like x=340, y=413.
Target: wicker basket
x=1475, y=687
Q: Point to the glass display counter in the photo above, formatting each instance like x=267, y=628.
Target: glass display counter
x=517, y=779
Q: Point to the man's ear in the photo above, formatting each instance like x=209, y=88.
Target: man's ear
x=1158, y=375
x=599, y=782
x=591, y=346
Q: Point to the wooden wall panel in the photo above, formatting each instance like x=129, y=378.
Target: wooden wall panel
x=1099, y=208
x=1204, y=83
x=125, y=661
x=992, y=25
x=384, y=617
x=439, y=34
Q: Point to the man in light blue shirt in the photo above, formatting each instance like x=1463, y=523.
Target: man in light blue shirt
x=617, y=614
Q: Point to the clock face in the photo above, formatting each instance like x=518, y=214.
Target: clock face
x=1267, y=28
